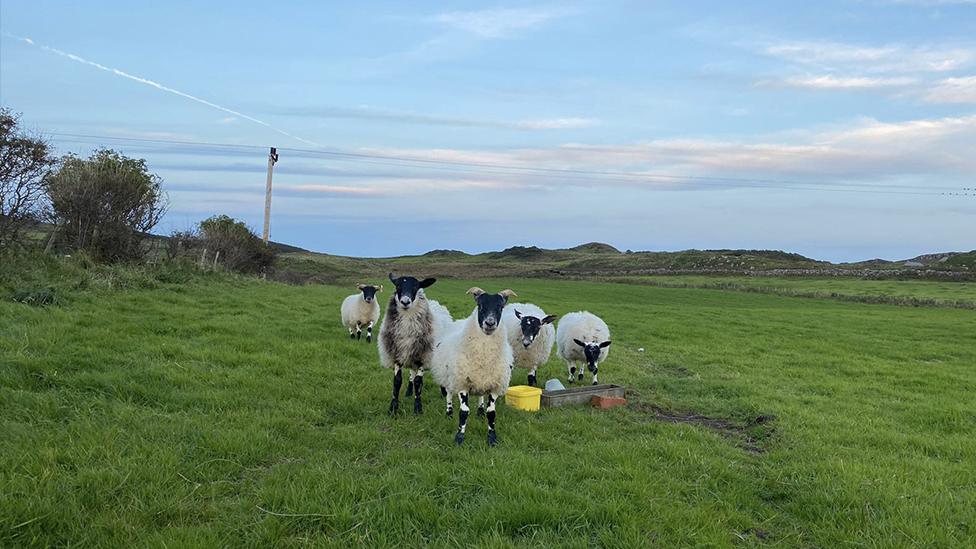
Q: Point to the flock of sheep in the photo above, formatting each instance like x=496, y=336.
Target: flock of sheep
x=474, y=355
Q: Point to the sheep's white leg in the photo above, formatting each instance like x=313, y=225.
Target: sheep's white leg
x=579, y=372
x=596, y=368
x=418, y=384
x=492, y=437
x=359, y=331
x=352, y=333
x=397, y=381
x=532, y=377
x=481, y=405
x=462, y=417
x=410, y=382
x=369, y=332
x=450, y=401
x=571, y=365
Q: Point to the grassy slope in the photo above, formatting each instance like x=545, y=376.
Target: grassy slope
x=231, y=411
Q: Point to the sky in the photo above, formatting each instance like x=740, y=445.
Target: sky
x=842, y=130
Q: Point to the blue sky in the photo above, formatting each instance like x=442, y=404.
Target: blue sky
x=828, y=128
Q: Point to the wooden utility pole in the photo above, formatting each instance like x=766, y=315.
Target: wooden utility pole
x=272, y=158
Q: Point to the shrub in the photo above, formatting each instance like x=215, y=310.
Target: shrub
x=25, y=160
x=105, y=204
x=234, y=245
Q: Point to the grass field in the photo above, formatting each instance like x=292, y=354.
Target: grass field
x=929, y=292
x=223, y=411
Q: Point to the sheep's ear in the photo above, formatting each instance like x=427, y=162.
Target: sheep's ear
x=360, y=286
x=580, y=343
x=507, y=294
x=518, y=314
x=393, y=280
x=549, y=319
x=380, y=290
x=605, y=344
x=427, y=282
x=475, y=291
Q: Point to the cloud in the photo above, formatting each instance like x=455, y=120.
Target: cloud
x=831, y=82
x=498, y=23
x=407, y=117
x=897, y=58
x=953, y=90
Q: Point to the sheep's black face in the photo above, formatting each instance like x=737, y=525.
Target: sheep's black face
x=490, y=311
x=407, y=288
x=592, y=352
x=369, y=293
x=531, y=326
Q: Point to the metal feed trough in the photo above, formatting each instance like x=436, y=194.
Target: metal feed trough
x=580, y=395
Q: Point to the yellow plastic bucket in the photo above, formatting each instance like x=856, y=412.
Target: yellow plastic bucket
x=524, y=397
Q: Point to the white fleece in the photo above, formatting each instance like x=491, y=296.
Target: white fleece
x=538, y=352
x=466, y=359
x=584, y=326
x=355, y=311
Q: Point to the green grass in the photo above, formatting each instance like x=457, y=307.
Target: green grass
x=908, y=292
x=223, y=411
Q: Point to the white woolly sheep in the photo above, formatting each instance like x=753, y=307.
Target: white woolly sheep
x=411, y=326
x=582, y=337
x=531, y=335
x=475, y=358
x=360, y=310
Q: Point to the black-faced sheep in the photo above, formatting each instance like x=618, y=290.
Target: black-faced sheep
x=582, y=337
x=410, y=328
x=360, y=310
x=475, y=358
x=531, y=335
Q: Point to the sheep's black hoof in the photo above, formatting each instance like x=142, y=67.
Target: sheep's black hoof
x=450, y=412
x=418, y=407
x=409, y=388
x=531, y=381
x=369, y=339
x=579, y=377
x=394, y=406
x=492, y=438
x=352, y=335
x=595, y=383
x=459, y=438
x=359, y=335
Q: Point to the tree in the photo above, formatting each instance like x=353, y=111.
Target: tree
x=106, y=204
x=238, y=247
x=25, y=160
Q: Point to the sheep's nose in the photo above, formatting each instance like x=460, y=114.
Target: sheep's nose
x=490, y=322
x=405, y=300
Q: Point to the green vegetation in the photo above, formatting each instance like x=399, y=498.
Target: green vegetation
x=162, y=406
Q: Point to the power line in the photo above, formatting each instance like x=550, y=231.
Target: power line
x=514, y=170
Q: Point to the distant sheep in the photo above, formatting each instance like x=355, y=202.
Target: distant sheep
x=360, y=310
x=475, y=358
x=410, y=328
x=531, y=335
x=582, y=337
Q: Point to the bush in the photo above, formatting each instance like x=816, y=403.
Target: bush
x=105, y=204
x=25, y=161
x=233, y=244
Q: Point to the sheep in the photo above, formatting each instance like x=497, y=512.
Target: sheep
x=582, y=336
x=476, y=358
x=531, y=335
x=361, y=309
x=410, y=328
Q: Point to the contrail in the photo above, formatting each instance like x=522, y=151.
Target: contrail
x=158, y=86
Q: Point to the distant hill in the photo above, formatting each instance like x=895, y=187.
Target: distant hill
x=599, y=260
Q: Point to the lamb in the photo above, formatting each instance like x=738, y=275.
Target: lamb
x=410, y=328
x=476, y=358
x=361, y=309
x=582, y=336
x=531, y=335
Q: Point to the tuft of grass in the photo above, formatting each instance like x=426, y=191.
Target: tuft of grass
x=236, y=412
